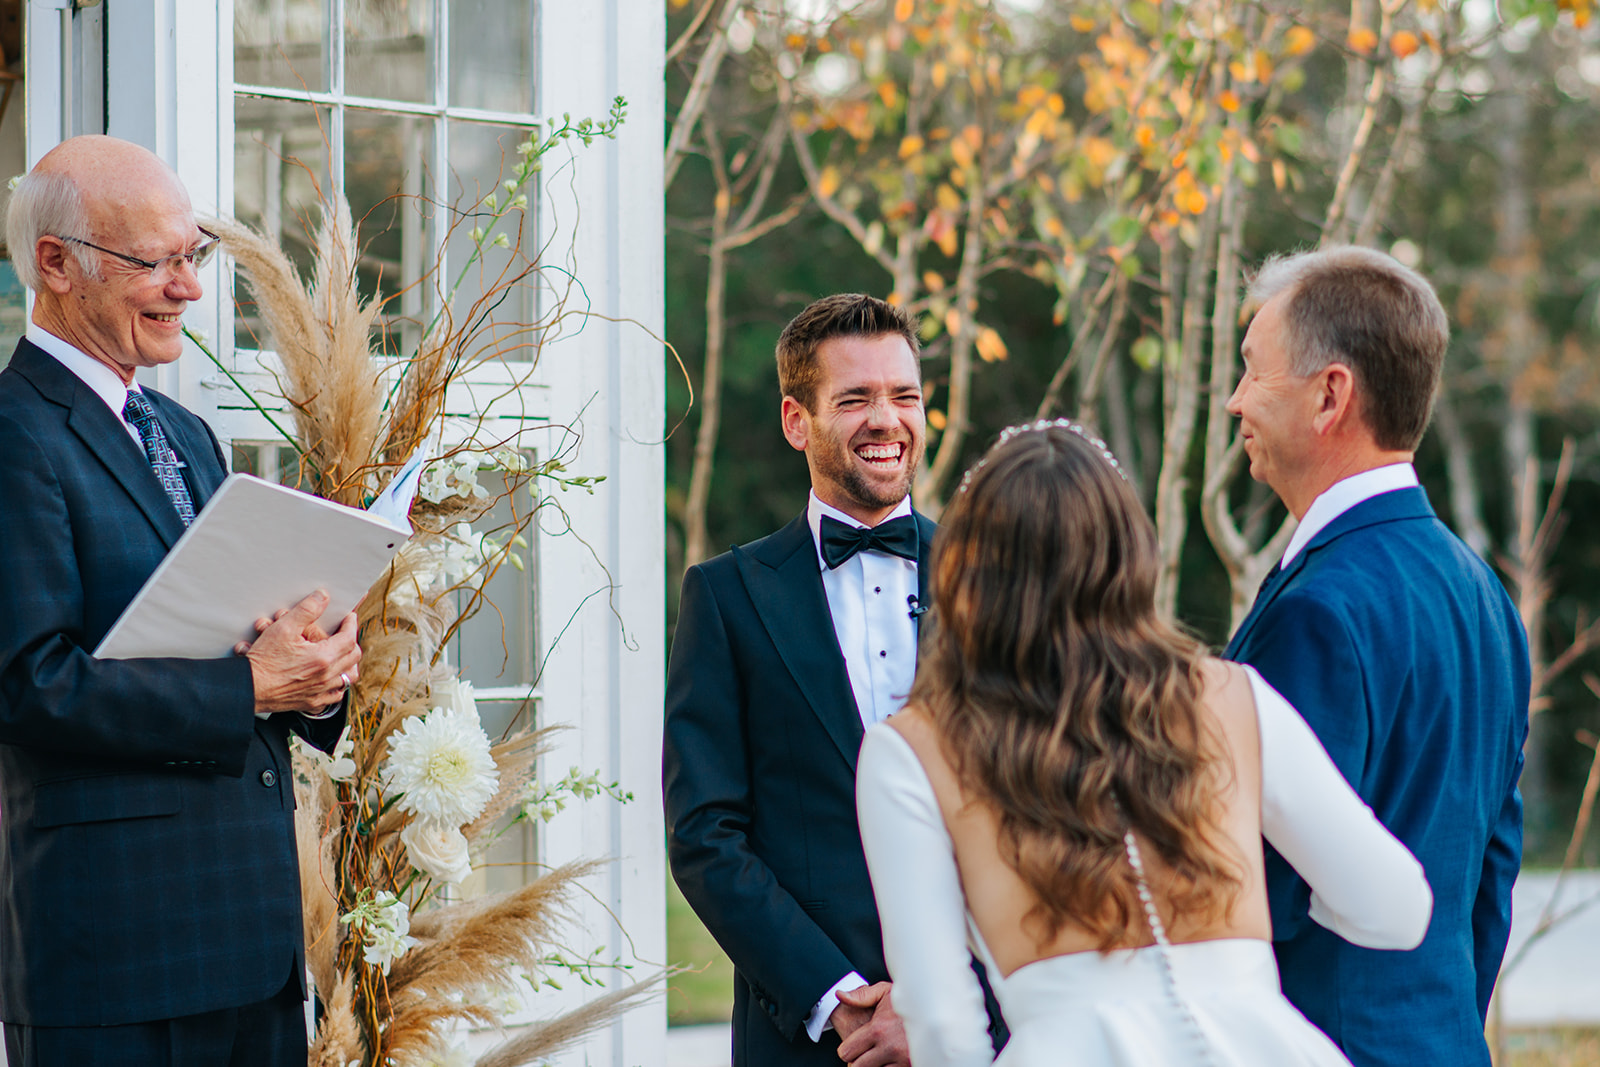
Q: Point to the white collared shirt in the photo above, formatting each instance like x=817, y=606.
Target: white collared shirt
x=1341, y=496
x=871, y=596
x=104, y=382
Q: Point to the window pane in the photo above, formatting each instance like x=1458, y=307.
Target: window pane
x=495, y=647
x=281, y=167
x=389, y=49
x=491, y=54
x=281, y=42
x=386, y=182
x=481, y=157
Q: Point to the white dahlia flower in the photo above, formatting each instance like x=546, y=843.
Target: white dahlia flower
x=441, y=764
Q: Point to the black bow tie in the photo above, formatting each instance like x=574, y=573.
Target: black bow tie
x=840, y=540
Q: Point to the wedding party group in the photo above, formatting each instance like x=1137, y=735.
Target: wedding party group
x=958, y=794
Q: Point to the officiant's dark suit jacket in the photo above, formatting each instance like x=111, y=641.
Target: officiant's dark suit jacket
x=759, y=761
x=1405, y=655
x=147, y=862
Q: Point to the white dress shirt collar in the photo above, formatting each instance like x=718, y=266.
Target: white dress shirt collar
x=104, y=382
x=816, y=509
x=1344, y=495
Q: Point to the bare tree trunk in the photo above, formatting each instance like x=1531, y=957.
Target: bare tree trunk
x=930, y=489
x=694, y=102
x=697, y=536
x=1466, y=502
x=1181, y=386
x=1515, y=262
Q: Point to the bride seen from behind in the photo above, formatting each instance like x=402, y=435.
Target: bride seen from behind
x=1058, y=733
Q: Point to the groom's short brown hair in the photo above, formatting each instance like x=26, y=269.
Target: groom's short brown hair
x=839, y=315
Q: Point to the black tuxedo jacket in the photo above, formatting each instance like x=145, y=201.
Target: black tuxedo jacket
x=759, y=761
x=147, y=860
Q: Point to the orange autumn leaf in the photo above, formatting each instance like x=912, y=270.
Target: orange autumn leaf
x=1241, y=73
x=1299, y=40
x=1263, y=66
x=903, y=9
x=1099, y=151
x=1055, y=104
x=940, y=74
x=991, y=349
x=828, y=181
x=1363, y=40
x=910, y=146
x=973, y=135
x=1404, y=43
x=1082, y=23
x=1144, y=135
x=795, y=42
x=952, y=321
x=936, y=419
x=1228, y=101
x=888, y=93
x=932, y=281
x=1193, y=201
x=1031, y=96
x=961, y=152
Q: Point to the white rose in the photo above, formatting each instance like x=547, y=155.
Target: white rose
x=438, y=851
x=457, y=694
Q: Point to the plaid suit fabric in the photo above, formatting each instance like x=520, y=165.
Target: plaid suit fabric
x=147, y=862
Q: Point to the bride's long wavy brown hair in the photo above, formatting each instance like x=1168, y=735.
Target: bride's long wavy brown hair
x=1062, y=700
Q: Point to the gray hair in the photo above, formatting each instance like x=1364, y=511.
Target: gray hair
x=1367, y=310
x=46, y=203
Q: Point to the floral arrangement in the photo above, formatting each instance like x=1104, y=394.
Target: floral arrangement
x=398, y=814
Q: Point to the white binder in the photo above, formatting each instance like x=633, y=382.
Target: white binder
x=255, y=548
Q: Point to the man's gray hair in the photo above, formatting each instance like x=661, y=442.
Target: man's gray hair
x=46, y=203
x=1369, y=311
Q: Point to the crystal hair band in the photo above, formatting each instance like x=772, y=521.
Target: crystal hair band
x=1039, y=426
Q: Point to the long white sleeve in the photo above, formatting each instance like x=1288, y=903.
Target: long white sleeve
x=1365, y=885
x=921, y=906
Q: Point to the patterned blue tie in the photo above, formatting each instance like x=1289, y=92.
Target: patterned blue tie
x=162, y=460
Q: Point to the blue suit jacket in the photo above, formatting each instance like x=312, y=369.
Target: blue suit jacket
x=1405, y=655
x=147, y=860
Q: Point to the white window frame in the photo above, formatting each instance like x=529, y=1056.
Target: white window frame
x=171, y=65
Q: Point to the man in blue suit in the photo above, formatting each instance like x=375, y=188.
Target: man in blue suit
x=149, y=891
x=1394, y=640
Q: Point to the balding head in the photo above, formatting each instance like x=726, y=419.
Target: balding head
x=98, y=230
x=72, y=191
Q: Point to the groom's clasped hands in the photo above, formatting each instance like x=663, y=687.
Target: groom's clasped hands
x=871, y=1034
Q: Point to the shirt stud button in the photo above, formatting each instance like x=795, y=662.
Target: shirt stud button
x=269, y=778
x=883, y=652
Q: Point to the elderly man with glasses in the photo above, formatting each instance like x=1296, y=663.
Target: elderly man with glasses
x=149, y=889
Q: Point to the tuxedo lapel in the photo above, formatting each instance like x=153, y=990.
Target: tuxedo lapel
x=1385, y=507
x=784, y=581
x=103, y=434
x=926, y=528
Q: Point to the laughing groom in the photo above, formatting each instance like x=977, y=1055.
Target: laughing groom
x=1394, y=640
x=786, y=650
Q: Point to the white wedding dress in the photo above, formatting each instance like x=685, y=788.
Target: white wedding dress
x=1207, y=1003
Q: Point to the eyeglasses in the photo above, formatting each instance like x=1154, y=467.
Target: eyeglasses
x=166, y=266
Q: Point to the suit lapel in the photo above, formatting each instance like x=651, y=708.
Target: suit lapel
x=926, y=528
x=103, y=434
x=1392, y=506
x=784, y=581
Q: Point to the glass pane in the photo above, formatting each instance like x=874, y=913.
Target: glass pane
x=13, y=311
x=491, y=54
x=281, y=168
x=495, y=646
x=281, y=42
x=389, y=189
x=481, y=158
x=388, y=49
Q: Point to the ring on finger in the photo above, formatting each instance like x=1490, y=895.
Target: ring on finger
x=345, y=678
